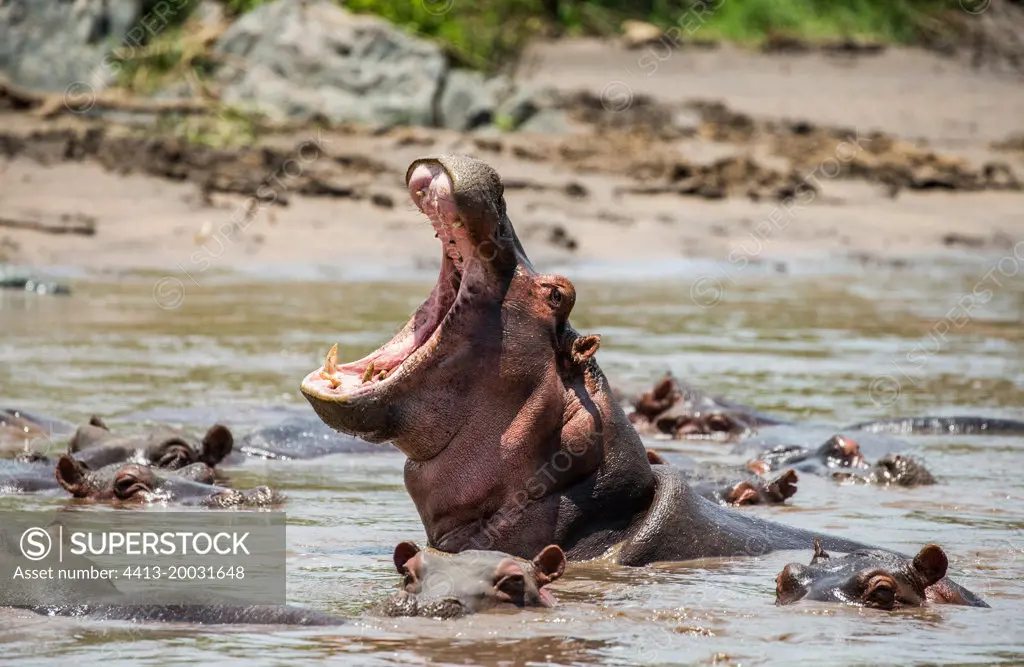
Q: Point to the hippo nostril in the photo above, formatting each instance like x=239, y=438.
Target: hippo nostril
x=127, y=486
x=175, y=457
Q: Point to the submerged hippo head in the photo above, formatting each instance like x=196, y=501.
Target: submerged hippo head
x=133, y=483
x=870, y=578
x=159, y=446
x=684, y=412
x=451, y=585
x=897, y=470
x=838, y=452
x=487, y=381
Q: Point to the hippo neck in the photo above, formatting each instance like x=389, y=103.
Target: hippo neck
x=585, y=513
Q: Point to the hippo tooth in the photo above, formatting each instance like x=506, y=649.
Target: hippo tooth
x=331, y=362
x=330, y=378
x=368, y=373
x=382, y=375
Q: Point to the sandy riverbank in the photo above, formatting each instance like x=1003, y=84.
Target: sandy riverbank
x=785, y=165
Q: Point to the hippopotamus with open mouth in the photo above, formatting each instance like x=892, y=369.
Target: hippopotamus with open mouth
x=514, y=439
x=867, y=577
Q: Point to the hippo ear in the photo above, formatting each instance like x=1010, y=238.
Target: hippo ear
x=743, y=493
x=217, y=444
x=654, y=458
x=664, y=387
x=931, y=563
x=71, y=475
x=549, y=564
x=585, y=347
x=403, y=554
x=819, y=553
x=98, y=423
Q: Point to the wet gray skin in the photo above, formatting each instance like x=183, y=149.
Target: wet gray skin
x=957, y=425
x=728, y=485
x=26, y=433
x=64, y=597
x=160, y=446
x=300, y=438
x=138, y=484
x=869, y=578
x=26, y=475
x=841, y=458
x=442, y=585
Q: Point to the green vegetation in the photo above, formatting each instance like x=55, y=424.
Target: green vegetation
x=752, y=22
x=227, y=127
x=487, y=34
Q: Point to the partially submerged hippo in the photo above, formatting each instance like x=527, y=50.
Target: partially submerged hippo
x=841, y=458
x=24, y=433
x=514, y=439
x=869, y=578
x=160, y=446
x=101, y=599
x=26, y=475
x=680, y=411
x=731, y=487
x=300, y=438
x=443, y=585
x=133, y=483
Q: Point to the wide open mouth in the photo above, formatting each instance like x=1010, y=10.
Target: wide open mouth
x=432, y=190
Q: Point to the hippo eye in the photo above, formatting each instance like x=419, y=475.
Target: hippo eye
x=513, y=587
x=409, y=581
x=719, y=423
x=555, y=297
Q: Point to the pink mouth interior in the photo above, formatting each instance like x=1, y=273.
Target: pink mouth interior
x=431, y=190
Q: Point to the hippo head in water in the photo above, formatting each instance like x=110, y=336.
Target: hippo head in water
x=132, y=483
x=160, y=446
x=493, y=397
x=686, y=413
x=838, y=452
x=868, y=577
x=445, y=585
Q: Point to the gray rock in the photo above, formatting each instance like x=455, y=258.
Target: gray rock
x=467, y=101
x=548, y=121
x=307, y=59
x=64, y=45
x=521, y=104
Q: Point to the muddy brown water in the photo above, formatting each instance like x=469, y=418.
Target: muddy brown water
x=806, y=344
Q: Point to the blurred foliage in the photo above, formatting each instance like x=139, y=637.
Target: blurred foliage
x=228, y=127
x=489, y=34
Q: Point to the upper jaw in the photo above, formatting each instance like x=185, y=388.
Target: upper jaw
x=462, y=198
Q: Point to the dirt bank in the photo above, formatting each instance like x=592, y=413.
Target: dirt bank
x=720, y=154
